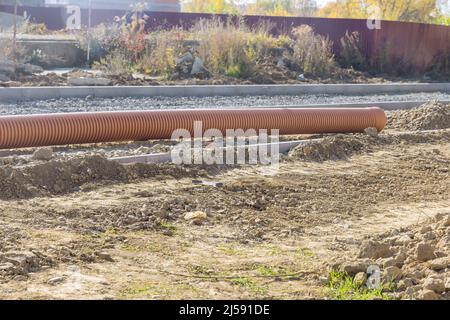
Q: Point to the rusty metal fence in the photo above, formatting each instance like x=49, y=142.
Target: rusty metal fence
x=416, y=45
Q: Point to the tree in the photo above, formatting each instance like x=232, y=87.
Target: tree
x=210, y=6
x=402, y=10
x=282, y=7
x=255, y=7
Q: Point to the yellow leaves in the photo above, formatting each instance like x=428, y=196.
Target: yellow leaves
x=253, y=7
x=402, y=10
x=209, y=6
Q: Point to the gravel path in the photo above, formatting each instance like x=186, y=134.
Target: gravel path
x=100, y=104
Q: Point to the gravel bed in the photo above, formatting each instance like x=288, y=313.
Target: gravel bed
x=90, y=104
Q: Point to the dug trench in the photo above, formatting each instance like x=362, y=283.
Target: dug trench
x=258, y=234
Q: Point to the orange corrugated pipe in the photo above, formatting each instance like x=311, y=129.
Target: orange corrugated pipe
x=89, y=127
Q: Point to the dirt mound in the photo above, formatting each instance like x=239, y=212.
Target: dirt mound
x=344, y=146
x=59, y=176
x=332, y=148
x=432, y=115
x=414, y=261
x=17, y=264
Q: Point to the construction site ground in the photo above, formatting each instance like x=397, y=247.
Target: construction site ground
x=81, y=227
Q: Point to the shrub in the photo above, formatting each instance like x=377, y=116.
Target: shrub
x=350, y=52
x=440, y=68
x=313, y=53
x=6, y=48
x=102, y=39
x=230, y=47
x=162, y=48
x=8, y=52
x=115, y=63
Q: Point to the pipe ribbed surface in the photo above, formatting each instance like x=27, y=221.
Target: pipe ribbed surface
x=70, y=128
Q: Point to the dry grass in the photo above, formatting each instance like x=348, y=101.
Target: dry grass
x=226, y=48
x=115, y=63
x=350, y=54
x=312, y=52
x=231, y=47
x=162, y=47
x=6, y=48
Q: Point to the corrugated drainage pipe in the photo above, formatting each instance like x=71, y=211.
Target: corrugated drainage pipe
x=71, y=128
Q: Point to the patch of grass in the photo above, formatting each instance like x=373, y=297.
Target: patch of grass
x=169, y=227
x=163, y=46
x=312, y=52
x=149, y=247
x=199, y=270
x=231, y=251
x=344, y=287
x=145, y=289
x=351, y=53
x=267, y=271
x=115, y=63
x=231, y=47
x=305, y=253
x=137, y=290
x=251, y=285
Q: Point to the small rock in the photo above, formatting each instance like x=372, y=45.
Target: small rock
x=195, y=215
x=104, y=256
x=410, y=291
x=447, y=221
x=447, y=284
x=20, y=277
x=403, y=240
x=360, y=278
x=434, y=284
x=25, y=261
x=403, y=284
x=44, y=154
x=388, y=262
x=425, y=229
x=425, y=252
x=392, y=273
x=400, y=258
x=324, y=280
x=375, y=250
x=415, y=275
x=439, y=263
x=187, y=57
x=143, y=150
x=7, y=267
x=429, y=236
x=371, y=132
x=353, y=268
x=427, y=295
x=197, y=66
x=55, y=280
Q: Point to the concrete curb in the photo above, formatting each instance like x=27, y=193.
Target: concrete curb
x=390, y=105
x=283, y=147
x=26, y=93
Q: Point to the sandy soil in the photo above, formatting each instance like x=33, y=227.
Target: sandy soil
x=122, y=234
